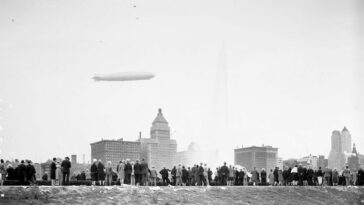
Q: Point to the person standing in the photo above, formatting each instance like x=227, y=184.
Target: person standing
x=132, y=175
x=137, y=172
x=108, y=172
x=179, y=175
x=206, y=175
x=53, y=171
x=153, y=176
x=30, y=170
x=2, y=172
x=144, y=172
x=230, y=176
x=66, y=166
x=335, y=177
x=94, y=172
x=164, y=174
x=271, y=177
x=263, y=176
x=319, y=175
x=127, y=170
x=21, y=172
x=121, y=172
x=201, y=175
x=184, y=176
x=255, y=176
x=58, y=174
x=346, y=174
x=101, y=173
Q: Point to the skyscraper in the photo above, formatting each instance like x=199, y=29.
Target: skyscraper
x=159, y=150
x=340, y=147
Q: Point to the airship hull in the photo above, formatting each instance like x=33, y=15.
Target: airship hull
x=124, y=76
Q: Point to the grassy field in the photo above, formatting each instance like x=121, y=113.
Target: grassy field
x=181, y=195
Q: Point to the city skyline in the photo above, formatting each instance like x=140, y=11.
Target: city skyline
x=227, y=74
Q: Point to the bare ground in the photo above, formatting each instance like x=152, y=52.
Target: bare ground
x=181, y=195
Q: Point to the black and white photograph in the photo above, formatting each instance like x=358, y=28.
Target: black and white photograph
x=182, y=102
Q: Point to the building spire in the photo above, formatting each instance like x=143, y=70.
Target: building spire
x=345, y=129
x=354, y=149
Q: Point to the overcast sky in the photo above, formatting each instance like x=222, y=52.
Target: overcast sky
x=228, y=73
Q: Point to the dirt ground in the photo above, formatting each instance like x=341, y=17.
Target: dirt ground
x=181, y=195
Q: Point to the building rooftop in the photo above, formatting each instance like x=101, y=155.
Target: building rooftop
x=113, y=140
x=160, y=118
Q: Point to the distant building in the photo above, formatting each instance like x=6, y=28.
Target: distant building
x=259, y=157
x=115, y=151
x=322, y=162
x=159, y=150
x=309, y=161
x=340, y=147
x=194, y=155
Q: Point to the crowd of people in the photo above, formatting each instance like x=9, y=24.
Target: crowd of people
x=138, y=173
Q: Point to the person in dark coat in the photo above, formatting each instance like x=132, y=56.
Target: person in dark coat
x=174, y=175
x=276, y=177
x=164, y=174
x=224, y=174
x=138, y=172
x=300, y=171
x=94, y=172
x=66, y=166
x=184, y=175
x=53, y=171
x=11, y=172
x=241, y=177
x=319, y=175
x=209, y=175
x=21, y=173
x=30, y=172
x=201, y=176
x=101, y=173
x=128, y=169
x=360, y=177
x=310, y=175
x=263, y=176
x=285, y=174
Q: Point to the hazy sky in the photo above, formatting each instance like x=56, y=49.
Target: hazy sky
x=281, y=73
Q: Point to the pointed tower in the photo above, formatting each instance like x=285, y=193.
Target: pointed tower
x=160, y=129
x=159, y=150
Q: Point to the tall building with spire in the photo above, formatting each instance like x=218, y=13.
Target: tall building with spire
x=340, y=148
x=159, y=150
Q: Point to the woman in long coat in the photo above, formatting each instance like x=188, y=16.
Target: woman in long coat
x=58, y=173
x=271, y=177
x=101, y=173
x=280, y=177
x=335, y=177
x=94, y=173
x=121, y=172
x=53, y=171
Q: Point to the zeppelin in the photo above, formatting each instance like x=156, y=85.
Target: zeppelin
x=123, y=76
